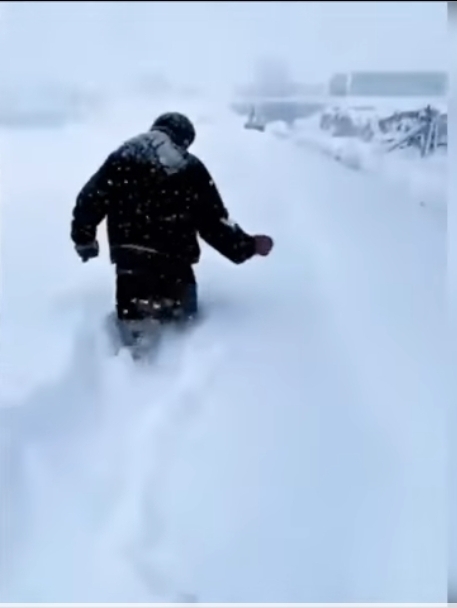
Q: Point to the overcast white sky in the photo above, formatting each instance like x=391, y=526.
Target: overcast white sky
x=216, y=42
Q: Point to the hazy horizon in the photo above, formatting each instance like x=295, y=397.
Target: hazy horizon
x=216, y=45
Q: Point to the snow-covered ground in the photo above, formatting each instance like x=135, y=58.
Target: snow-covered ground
x=423, y=179
x=289, y=449
x=48, y=104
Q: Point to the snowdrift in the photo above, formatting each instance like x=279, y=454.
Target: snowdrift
x=290, y=450
x=46, y=105
x=357, y=142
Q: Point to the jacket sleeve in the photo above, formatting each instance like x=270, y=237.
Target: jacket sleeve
x=92, y=204
x=213, y=222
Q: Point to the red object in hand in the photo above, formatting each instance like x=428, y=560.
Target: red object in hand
x=263, y=244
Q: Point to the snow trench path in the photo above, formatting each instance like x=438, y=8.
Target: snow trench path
x=289, y=449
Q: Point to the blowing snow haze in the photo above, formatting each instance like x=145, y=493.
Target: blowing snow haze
x=290, y=447
x=214, y=45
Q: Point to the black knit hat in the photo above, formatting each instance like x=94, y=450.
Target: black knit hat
x=177, y=126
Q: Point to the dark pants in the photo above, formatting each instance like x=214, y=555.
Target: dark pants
x=162, y=294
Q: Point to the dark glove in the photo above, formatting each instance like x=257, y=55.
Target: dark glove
x=87, y=252
x=263, y=244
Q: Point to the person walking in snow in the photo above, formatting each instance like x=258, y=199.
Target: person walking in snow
x=157, y=198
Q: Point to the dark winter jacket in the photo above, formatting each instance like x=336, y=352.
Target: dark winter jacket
x=156, y=198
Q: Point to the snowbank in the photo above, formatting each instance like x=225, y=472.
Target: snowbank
x=423, y=178
x=46, y=105
x=288, y=450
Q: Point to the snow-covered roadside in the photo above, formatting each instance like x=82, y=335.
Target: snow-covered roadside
x=425, y=179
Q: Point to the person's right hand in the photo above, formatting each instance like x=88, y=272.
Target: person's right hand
x=263, y=244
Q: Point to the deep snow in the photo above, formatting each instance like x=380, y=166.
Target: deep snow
x=291, y=448
x=424, y=180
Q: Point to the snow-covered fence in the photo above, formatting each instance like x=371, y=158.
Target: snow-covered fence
x=408, y=147
x=424, y=129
